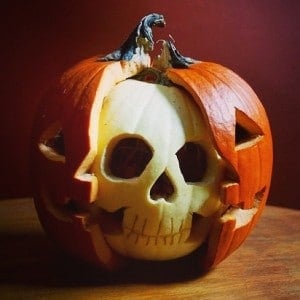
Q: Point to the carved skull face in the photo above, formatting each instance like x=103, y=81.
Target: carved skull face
x=158, y=172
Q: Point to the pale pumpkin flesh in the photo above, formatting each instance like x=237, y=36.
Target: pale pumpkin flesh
x=157, y=221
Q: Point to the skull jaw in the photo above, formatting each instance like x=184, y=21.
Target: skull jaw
x=158, y=249
x=136, y=245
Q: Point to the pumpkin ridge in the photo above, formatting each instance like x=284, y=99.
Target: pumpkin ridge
x=247, y=97
x=223, y=79
x=76, y=77
x=80, y=70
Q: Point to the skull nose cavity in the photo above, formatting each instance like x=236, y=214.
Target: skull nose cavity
x=162, y=188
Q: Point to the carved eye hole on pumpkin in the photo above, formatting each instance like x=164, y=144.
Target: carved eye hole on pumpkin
x=192, y=161
x=52, y=144
x=129, y=158
x=247, y=132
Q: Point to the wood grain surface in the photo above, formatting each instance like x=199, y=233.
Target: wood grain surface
x=266, y=266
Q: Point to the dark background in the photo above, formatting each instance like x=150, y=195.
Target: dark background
x=258, y=39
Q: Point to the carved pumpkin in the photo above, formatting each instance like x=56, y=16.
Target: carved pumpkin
x=150, y=160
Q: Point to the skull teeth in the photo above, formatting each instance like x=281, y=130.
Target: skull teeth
x=139, y=235
x=170, y=239
x=137, y=232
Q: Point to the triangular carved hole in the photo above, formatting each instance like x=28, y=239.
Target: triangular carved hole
x=57, y=142
x=51, y=143
x=247, y=132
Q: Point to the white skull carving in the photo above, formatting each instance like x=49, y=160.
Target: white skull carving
x=157, y=170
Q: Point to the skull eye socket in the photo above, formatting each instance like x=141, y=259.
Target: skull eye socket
x=129, y=158
x=192, y=161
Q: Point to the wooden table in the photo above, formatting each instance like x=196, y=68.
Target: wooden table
x=266, y=266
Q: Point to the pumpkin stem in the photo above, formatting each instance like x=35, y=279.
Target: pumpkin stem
x=171, y=58
x=177, y=59
x=140, y=40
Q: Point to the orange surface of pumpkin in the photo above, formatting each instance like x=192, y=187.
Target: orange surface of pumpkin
x=65, y=146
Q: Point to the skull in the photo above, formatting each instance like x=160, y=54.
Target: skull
x=158, y=171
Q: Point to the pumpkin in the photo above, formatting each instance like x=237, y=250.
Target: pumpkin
x=150, y=159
